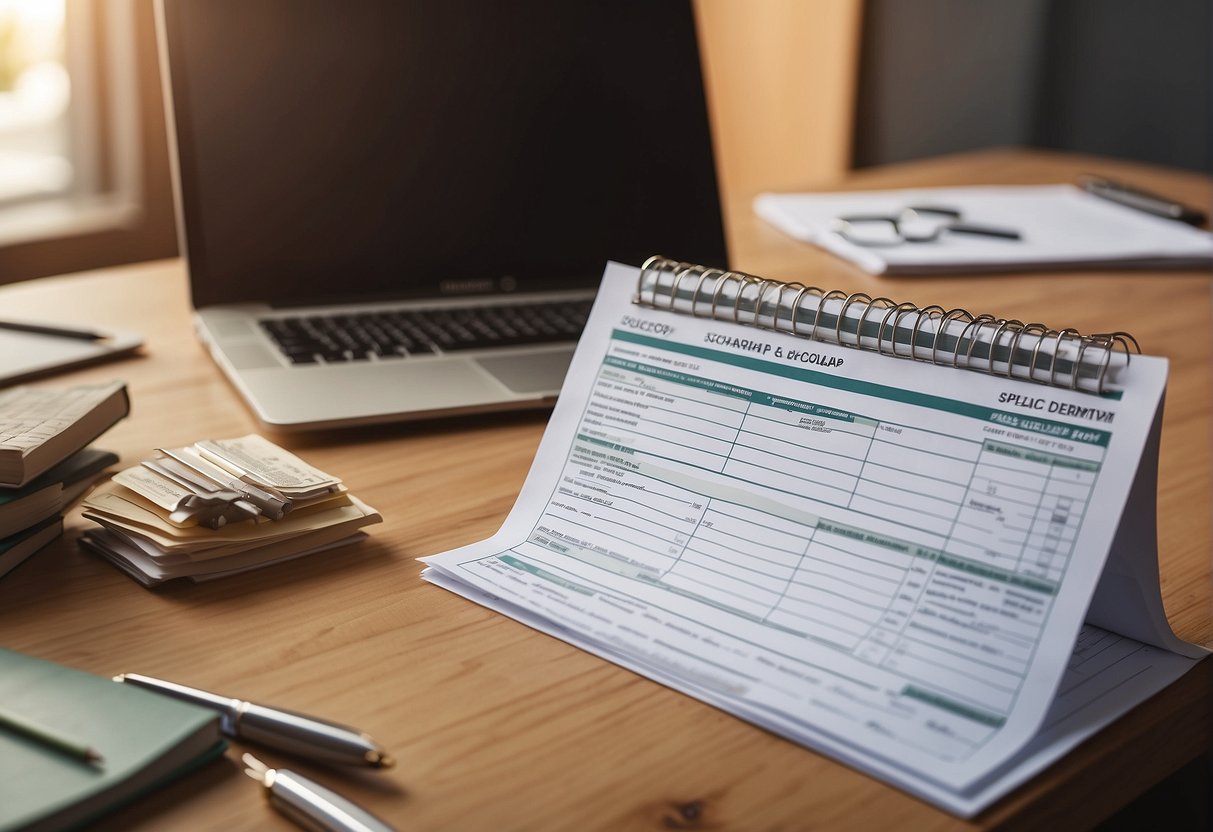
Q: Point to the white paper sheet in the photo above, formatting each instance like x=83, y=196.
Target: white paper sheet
x=1059, y=225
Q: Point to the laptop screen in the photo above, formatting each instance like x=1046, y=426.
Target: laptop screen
x=411, y=148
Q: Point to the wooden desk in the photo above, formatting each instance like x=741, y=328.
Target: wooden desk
x=497, y=726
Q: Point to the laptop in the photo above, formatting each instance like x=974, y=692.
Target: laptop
x=400, y=209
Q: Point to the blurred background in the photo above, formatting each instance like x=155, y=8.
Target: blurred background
x=800, y=93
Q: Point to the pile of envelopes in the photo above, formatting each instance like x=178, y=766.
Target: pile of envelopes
x=219, y=507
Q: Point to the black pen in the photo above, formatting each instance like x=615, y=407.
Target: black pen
x=57, y=331
x=1132, y=197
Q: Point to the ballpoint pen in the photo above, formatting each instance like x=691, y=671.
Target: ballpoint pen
x=1133, y=197
x=287, y=731
x=309, y=804
x=57, y=331
x=194, y=468
x=223, y=504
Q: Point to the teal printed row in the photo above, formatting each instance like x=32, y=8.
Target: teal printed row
x=1058, y=430
x=952, y=706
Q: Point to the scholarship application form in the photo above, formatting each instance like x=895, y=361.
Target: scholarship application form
x=885, y=560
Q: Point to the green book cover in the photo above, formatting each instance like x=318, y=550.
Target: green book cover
x=143, y=739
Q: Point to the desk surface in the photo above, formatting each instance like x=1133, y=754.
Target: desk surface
x=495, y=725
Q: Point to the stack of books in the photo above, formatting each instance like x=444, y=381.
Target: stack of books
x=219, y=507
x=45, y=464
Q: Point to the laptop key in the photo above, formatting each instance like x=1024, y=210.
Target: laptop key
x=404, y=333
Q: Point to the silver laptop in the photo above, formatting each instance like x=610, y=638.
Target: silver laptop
x=399, y=209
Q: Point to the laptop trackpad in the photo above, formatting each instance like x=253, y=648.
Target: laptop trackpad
x=530, y=373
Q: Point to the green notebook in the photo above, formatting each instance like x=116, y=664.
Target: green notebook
x=144, y=740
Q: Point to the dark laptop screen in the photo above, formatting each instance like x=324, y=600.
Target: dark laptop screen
x=405, y=148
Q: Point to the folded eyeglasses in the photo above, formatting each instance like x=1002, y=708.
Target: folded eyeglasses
x=913, y=224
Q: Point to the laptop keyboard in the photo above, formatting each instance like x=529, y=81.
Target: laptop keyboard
x=366, y=336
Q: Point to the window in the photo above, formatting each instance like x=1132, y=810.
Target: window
x=83, y=173
x=34, y=95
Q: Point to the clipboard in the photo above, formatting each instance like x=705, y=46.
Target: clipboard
x=28, y=355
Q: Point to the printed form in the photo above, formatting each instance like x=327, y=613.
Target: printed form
x=882, y=559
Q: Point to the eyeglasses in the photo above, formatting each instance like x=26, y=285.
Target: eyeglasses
x=913, y=224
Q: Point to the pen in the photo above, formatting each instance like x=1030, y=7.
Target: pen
x=267, y=501
x=58, y=331
x=1132, y=197
x=306, y=736
x=309, y=804
x=203, y=493
x=49, y=737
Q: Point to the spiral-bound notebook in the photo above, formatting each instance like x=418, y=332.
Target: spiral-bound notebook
x=919, y=540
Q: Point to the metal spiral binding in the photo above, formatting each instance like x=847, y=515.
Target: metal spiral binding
x=950, y=337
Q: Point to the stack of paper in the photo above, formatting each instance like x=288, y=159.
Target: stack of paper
x=220, y=507
x=889, y=561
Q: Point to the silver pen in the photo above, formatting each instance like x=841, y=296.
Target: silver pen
x=309, y=804
x=1133, y=197
x=307, y=736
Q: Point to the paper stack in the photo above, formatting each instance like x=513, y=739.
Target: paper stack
x=220, y=507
